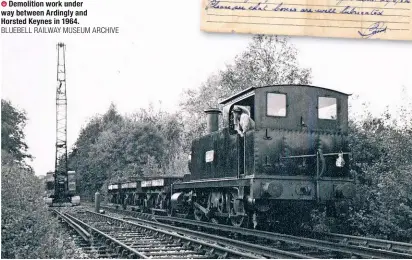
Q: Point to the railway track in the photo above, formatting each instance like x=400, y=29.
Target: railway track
x=149, y=239
x=367, y=242
x=89, y=247
x=326, y=245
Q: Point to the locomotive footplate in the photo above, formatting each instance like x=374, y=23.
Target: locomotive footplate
x=279, y=187
x=305, y=188
x=232, y=196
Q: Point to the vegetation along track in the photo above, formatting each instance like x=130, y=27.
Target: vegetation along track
x=156, y=240
x=325, y=245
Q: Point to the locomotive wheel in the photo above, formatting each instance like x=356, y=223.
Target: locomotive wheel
x=237, y=212
x=214, y=220
x=185, y=212
x=216, y=203
x=170, y=212
x=198, y=214
x=221, y=204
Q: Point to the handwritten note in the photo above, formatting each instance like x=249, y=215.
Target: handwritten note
x=367, y=19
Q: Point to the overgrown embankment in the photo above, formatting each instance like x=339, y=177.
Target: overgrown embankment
x=27, y=228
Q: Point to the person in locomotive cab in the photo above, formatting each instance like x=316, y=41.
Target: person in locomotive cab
x=242, y=120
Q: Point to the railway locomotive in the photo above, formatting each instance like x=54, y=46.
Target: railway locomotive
x=295, y=159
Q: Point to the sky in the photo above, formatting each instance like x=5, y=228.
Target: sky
x=159, y=52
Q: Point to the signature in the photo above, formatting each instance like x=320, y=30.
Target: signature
x=378, y=27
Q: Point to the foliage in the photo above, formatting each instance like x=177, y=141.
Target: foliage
x=13, y=122
x=115, y=148
x=171, y=129
x=268, y=60
x=27, y=229
x=382, y=159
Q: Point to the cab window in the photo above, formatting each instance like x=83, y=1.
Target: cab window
x=232, y=121
x=327, y=108
x=276, y=104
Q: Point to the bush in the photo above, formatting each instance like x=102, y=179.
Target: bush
x=382, y=159
x=28, y=230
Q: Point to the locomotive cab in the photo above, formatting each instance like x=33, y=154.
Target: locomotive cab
x=247, y=102
x=292, y=125
x=297, y=154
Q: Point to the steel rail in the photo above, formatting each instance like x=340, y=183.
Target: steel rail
x=368, y=242
x=112, y=239
x=238, y=245
x=362, y=251
x=257, y=249
x=81, y=231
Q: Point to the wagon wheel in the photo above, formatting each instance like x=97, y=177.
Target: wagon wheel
x=147, y=204
x=168, y=206
x=160, y=201
x=153, y=203
x=134, y=197
x=237, y=212
x=141, y=204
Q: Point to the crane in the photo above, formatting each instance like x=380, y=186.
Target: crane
x=61, y=182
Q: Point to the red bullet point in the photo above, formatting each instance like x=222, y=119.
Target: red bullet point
x=4, y=3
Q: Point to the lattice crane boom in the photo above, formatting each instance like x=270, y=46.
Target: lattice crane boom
x=64, y=188
x=61, y=120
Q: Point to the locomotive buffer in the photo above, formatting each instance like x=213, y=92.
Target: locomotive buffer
x=62, y=184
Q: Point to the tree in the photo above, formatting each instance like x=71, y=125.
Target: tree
x=171, y=128
x=113, y=147
x=27, y=230
x=268, y=60
x=13, y=122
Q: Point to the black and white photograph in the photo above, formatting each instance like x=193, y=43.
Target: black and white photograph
x=132, y=133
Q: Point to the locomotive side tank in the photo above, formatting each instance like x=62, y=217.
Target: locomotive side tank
x=296, y=158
